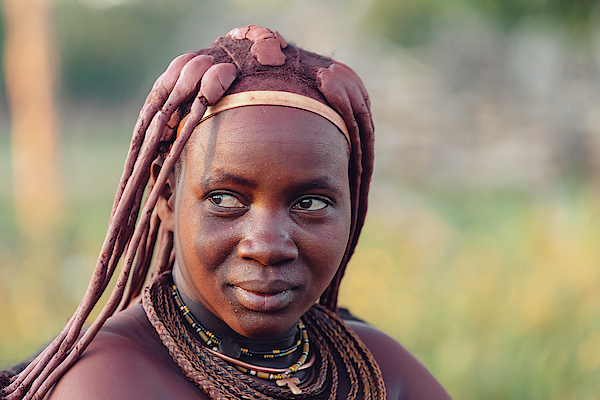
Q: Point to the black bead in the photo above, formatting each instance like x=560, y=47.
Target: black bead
x=230, y=348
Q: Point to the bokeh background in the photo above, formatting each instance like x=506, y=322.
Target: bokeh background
x=481, y=252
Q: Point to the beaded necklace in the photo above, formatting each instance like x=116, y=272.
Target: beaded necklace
x=215, y=344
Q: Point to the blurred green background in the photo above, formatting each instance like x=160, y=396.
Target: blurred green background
x=481, y=252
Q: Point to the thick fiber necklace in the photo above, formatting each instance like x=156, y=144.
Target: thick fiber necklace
x=220, y=380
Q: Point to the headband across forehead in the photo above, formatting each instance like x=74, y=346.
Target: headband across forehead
x=275, y=98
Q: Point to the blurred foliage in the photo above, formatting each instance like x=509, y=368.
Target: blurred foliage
x=106, y=52
x=411, y=22
x=495, y=292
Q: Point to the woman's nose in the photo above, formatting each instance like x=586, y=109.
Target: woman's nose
x=268, y=240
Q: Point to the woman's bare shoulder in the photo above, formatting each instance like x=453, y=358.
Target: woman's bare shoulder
x=126, y=360
x=405, y=377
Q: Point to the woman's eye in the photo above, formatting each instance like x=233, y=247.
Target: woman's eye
x=310, y=204
x=225, y=200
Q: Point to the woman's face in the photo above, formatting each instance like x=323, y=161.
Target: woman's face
x=261, y=215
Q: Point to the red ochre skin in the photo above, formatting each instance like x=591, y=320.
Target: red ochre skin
x=263, y=256
x=261, y=217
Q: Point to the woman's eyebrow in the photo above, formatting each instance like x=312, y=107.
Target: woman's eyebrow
x=224, y=177
x=324, y=183
x=320, y=183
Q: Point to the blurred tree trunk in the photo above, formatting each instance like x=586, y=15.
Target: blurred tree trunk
x=30, y=68
x=30, y=62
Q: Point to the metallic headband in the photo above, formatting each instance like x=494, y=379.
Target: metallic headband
x=276, y=98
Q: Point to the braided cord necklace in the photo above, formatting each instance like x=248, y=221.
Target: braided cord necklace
x=220, y=380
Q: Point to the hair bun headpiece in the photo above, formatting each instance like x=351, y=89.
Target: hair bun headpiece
x=267, y=43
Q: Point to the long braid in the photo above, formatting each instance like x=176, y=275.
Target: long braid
x=142, y=262
x=50, y=375
x=55, y=353
x=39, y=369
x=165, y=256
x=191, y=83
x=43, y=372
x=347, y=95
x=64, y=341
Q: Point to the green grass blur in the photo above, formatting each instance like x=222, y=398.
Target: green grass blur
x=495, y=292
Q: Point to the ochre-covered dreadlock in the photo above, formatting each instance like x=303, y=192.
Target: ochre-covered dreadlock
x=248, y=58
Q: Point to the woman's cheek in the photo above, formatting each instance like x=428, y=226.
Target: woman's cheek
x=214, y=241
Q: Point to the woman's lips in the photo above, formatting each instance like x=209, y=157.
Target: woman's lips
x=263, y=301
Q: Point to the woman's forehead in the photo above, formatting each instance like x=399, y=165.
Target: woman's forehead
x=267, y=144
x=272, y=125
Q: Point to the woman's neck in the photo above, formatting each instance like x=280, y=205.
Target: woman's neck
x=219, y=328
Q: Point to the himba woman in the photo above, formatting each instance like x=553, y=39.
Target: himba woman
x=245, y=188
